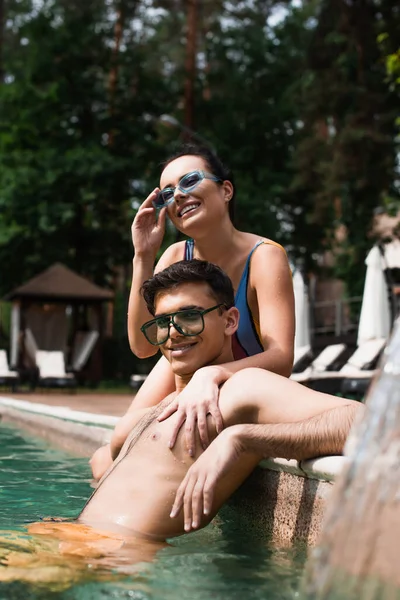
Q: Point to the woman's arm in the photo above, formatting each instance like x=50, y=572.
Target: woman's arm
x=272, y=300
x=158, y=384
x=142, y=269
x=137, y=309
x=272, y=286
x=147, y=236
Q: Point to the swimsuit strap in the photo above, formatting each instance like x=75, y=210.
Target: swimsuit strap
x=189, y=249
x=246, y=271
x=246, y=341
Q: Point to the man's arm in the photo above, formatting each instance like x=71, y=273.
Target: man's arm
x=323, y=434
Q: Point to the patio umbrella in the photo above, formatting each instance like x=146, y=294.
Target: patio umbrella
x=392, y=254
x=302, y=311
x=375, y=309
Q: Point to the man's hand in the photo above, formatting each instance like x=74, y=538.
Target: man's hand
x=198, y=399
x=196, y=492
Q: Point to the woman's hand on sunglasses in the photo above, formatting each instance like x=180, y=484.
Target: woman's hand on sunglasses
x=192, y=405
x=148, y=230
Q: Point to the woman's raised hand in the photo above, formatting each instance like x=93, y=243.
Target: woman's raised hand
x=147, y=230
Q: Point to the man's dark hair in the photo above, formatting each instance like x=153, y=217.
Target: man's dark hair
x=189, y=271
x=215, y=166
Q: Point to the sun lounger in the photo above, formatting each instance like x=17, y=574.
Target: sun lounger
x=7, y=377
x=355, y=375
x=325, y=360
x=51, y=369
x=359, y=362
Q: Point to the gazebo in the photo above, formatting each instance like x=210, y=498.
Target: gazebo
x=58, y=310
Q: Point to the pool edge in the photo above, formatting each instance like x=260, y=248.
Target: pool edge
x=286, y=498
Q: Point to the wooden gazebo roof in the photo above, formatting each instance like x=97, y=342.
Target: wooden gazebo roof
x=59, y=284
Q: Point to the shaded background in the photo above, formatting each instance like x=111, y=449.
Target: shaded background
x=299, y=99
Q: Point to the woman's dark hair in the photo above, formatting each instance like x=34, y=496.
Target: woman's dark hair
x=189, y=271
x=215, y=165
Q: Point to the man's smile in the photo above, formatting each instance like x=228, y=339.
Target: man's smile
x=180, y=349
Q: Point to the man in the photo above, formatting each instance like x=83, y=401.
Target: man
x=264, y=415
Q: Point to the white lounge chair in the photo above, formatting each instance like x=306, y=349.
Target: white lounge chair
x=358, y=365
x=325, y=360
x=7, y=377
x=355, y=376
x=51, y=369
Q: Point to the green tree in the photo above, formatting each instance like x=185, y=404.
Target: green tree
x=346, y=158
x=244, y=105
x=300, y=110
x=76, y=148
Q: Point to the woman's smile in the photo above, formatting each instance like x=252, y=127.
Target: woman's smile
x=187, y=208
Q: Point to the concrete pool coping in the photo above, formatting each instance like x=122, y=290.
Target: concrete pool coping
x=286, y=496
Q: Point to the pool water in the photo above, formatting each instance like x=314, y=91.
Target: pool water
x=221, y=562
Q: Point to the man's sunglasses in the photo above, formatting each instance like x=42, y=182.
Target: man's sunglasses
x=189, y=322
x=189, y=182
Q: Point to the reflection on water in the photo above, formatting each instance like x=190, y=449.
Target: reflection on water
x=37, y=480
x=220, y=562
x=360, y=543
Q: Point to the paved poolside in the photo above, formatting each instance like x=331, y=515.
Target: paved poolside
x=101, y=403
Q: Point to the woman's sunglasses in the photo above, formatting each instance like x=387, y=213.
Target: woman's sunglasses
x=189, y=182
x=189, y=322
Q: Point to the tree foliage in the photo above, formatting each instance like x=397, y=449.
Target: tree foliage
x=345, y=163
x=72, y=138
x=299, y=107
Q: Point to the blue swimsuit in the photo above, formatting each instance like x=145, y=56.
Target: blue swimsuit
x=246, y=341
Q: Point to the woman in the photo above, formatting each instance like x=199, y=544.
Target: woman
x=196, y=191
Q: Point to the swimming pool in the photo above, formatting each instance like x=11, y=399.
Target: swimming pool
x=221, y=562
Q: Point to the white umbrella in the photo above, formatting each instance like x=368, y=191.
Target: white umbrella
x=375, y=309
x=392, y=254
x=302, y=311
